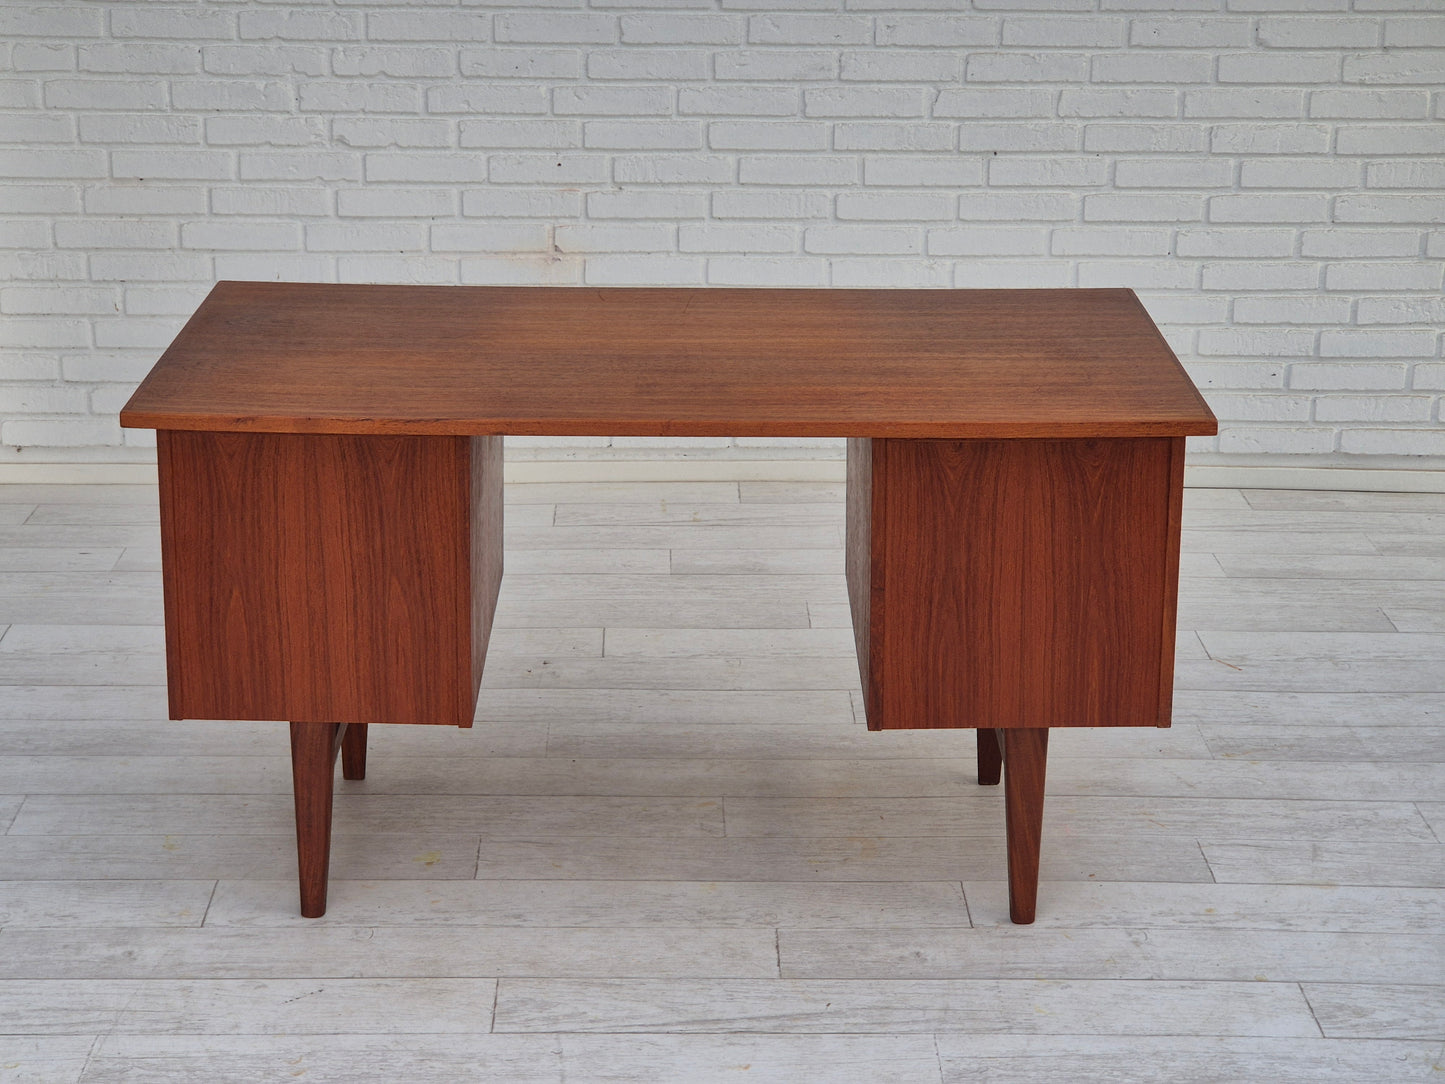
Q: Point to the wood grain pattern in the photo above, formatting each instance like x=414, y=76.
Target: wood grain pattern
x=1015, y=583
x=287, y=357
x=328, y=577
x=313, y=770
x=1025, y=762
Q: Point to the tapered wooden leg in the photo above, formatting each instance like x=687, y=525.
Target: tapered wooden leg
x=990, y=755
x=1025, y=755
x=353, y=751
x=313, y=776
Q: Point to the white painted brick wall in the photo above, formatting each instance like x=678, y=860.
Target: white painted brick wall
x=1268, y=174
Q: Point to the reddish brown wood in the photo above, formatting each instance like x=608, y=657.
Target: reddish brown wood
x=1025, y=762
x=328, y=577
x=1014, y=583
x=329, y=358
x=353, y=751
x=989, y=743
x=313, y=778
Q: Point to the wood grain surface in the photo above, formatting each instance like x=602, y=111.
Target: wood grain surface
x=1015, y=583
x=326, y=577
x=328, y=358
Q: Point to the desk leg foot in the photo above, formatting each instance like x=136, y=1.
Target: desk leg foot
x=990, y=755
x=353, y=751
x=313, y=776
x=1025, y=758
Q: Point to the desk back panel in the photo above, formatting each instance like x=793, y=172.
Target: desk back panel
x=328, y=578
x=1015, y=583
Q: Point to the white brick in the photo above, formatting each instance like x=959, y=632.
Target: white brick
x=1309, y=309
x=1402, y=310
x=647, y=203
x=1236, y=242
x=171, y=22
x=1241, y=375
x=1279, y=68
x=134, y=199
x=139, y=128
x=1280, y=441
x=558, y=134
x=453, y=168
x=300, y=166
x=129, y=366
x=35, y=56
x=642, y=135
x=864, y=102
x=271, y=202
x=809, y=30
x=365, y=236
x=1377, y=343
x=391, y=132
x=748, y=101
x=1207, y=33
x=1018, y=206
x=547, y=169
x=301, y=25
x=48, y=266
x=1027, y=68
x=673, y=169
x=69, y=21
x=1337, y=243
x=871, y=240
x=1012, y=274
x=45, y=331
x=395, y=202
x=57, y=300
x=1373, y=408
x=17, y=94
x=1161, y=67
x=265, y=131
x=1110, y=242
x=234, y=95
x=907, y=67
x=352, y=97
x=642, y=271
x=768, y=135
x=1377, y=207
x=659, y=28
x=1380, y=139
x=173, y=165
x=736, y=203
x=1319, y=173
x=77, y=432
x=393, y=61
x=943, y=31
x=891, y=274
x=42, y=199
x=241, y=236
x=1418, y=174
x=150, y=267
x=1015, y=136
x=1238, y=102
x=785, y=65
x=1064, y=30
x=486, y=99
x=1347, y=376
x=612, y=101
x=1136, y=274
x=1269, y=208
x=1394, y=441
x=42, y=128
x=895, y=206
x=1260, y=275
x=1325, y=32
x=135, y=334
x=894, y=136
x=105, y=94
x=913, y=171
x=1431, y=377
x=309, y=60
x=761, y=238
x=767, y=271
x=1261, y=408
x=548, y=28
x=1374, y=277
x=1111, y=102
x=798, y=170
x=1370, y=104
x=993, y=102
x=1256, y=342
x=1149, y=138
x=114, y=233
x=524, y=269
x=521, y=63
x=490, y=237
x=649, y=65
x=988, y=241
x=1269, y=139
x=520, y=202
x=412, y=25
x=35, y=233
x=1423, y=66
x=135, y=57
x=1054, y=172
x=277, y=267
x=411, y=268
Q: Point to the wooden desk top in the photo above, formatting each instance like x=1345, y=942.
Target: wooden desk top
x=565, y=361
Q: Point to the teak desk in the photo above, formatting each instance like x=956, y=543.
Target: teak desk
x=331, y=497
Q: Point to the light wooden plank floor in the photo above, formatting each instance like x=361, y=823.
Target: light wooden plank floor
x=669, y=850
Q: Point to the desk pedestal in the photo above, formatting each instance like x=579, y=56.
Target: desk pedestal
x=1005, y=585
